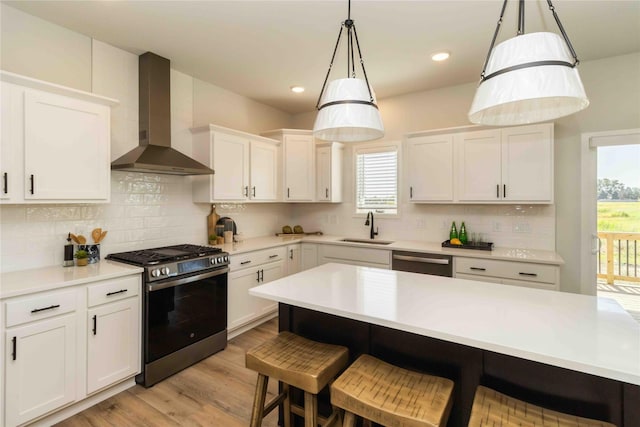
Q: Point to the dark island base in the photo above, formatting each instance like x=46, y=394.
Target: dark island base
x=555, y=388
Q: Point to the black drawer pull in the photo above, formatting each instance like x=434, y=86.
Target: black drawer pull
x=32, y=183
x=5, y=179
x=258, y=278
x=411, y=192
x=497, y=191
x=262, y=275
x=14, y=352
x=326, y=192
x=504, y=191
x=290, y=253
x=528, y=274
x=246, y=191
x=273, y=256
x=253, y=191
x=245, y=262
x=95, y=324
x=288, y=192
x=477, y=269
x=37, y=310
x=116, y=292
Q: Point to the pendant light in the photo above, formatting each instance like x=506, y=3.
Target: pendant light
x=529, y=78
x=347, y=110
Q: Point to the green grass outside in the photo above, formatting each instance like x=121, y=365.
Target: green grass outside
x=619, y=216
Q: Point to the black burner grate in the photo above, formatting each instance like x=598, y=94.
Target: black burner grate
x=164, y=254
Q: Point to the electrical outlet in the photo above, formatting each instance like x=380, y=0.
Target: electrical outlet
x=522, y=227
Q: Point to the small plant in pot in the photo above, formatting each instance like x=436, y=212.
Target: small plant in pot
x=82, y=257
x=213, y=239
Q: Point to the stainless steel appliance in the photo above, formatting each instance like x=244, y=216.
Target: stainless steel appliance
x=417, y=262
x=184, y=306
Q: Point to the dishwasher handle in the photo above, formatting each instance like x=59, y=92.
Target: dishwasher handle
x=424, y=260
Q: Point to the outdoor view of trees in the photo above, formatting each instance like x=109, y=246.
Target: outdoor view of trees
x=612, y=189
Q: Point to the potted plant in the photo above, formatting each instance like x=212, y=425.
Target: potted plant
x=213, y=239
x=82, y=257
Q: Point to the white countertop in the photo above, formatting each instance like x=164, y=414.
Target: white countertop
x=507, y=254
x=578, y=332
x=24, y=282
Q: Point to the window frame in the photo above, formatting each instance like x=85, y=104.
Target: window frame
x=373, y=147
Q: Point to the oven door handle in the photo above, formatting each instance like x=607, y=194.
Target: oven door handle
x=183, y=281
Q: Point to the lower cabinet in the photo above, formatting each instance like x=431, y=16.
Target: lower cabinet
x=54, y=339
x=530, y=275
x=247, y=271
x=294, y=262
x=308, y=256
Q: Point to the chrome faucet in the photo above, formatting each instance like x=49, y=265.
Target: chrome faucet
x=372, y=234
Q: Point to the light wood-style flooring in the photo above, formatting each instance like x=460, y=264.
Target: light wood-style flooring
x=217, y=391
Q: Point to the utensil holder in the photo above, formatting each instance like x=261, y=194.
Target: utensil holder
x=93, y=251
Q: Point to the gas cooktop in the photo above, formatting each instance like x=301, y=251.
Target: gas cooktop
x=153, y=256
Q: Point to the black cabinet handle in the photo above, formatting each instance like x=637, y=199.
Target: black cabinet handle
x=258, y=276
x=290, y=253
x=288, y=192
x=246, y=191
x=14, y=344
x=262, y=275
x=411, y=192
x=504, y=191
x=253, y=191
x=528, y=274
x=116, y=292
x=477, y=269
x=95, y=324
x=37, y=310
x=5, y=182
x=273, y=256
x=245, y=262
x=326, y=193
x=497, y=191
x=32, y=183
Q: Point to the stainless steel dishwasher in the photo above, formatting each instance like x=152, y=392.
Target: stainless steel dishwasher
x=417, y=262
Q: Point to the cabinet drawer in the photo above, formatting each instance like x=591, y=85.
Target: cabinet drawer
x=30, y=308
x=521, y=271
x=251, y=259
x=349, y=253
x=113, y=290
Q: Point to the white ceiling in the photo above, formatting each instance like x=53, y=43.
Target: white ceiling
x=260, y=48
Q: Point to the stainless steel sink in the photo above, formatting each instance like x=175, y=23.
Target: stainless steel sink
x=368, y=241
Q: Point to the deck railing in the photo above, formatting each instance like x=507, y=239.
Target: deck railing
x=618, y=257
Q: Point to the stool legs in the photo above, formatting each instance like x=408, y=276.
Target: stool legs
x=257, y=413
x=286, y=407
x=349, y=419
x=310, y=410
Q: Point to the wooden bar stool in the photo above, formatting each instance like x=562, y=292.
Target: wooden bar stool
x=494, y=409
x=297, y=362
x=391, y=396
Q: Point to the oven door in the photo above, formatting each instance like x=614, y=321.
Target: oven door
x=182, y=311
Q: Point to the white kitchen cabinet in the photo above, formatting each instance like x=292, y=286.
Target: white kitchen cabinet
x=245, y=165
x=298, y=154
x=329, y=158
x=294, y=262
x=532, y=275
x=429, y=163
x=113, y=343
x=247, y=271
x=506, y=165
x=308, y=256
x=41, y=361
x=55, y=143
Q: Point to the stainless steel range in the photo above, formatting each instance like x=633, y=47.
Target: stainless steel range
x=184, y=306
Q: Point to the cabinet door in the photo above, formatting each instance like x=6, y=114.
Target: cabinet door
x=113, y=343
x=430, y=168
x=293, y=259
x=264, y=171
x=323, y=173
x=309, y=256
x=527, y=163
x=299, y=168
x=269, y=272
x=40, y=368
x=479, y=166
x=11, y=139
x=231, y=166
x=66, y=148
x=242, y=307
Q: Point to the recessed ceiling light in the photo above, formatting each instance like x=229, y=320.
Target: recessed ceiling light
x=440, y=56
x=297, y=89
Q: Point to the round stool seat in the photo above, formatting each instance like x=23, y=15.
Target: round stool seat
x=392, y=396
x=491, y=408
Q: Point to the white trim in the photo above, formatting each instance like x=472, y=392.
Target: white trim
x=588, y=178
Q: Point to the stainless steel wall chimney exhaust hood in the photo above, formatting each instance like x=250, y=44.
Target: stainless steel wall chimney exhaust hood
x=154, y=154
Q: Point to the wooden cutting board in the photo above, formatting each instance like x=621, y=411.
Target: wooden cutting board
x=212, y=219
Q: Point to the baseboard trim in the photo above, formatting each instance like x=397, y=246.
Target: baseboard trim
x=244, y=328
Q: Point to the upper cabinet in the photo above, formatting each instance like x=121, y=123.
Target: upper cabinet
x=430, y=168
x=245, y=165
x=329, y=157
x=298, y=154
x=55, y=143
x=508, y=165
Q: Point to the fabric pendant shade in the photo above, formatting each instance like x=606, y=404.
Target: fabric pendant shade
x=347, y=114
x=533, y=93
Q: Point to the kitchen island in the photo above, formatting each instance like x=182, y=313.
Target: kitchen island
x=574, y=353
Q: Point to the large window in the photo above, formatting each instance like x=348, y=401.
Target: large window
x=376, y=178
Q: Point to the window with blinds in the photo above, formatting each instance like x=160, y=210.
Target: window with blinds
x=377, y=179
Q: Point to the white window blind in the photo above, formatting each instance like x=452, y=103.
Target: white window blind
x=377, y=180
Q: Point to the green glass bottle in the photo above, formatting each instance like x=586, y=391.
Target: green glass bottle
x=463, y=234
x=453, y=234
